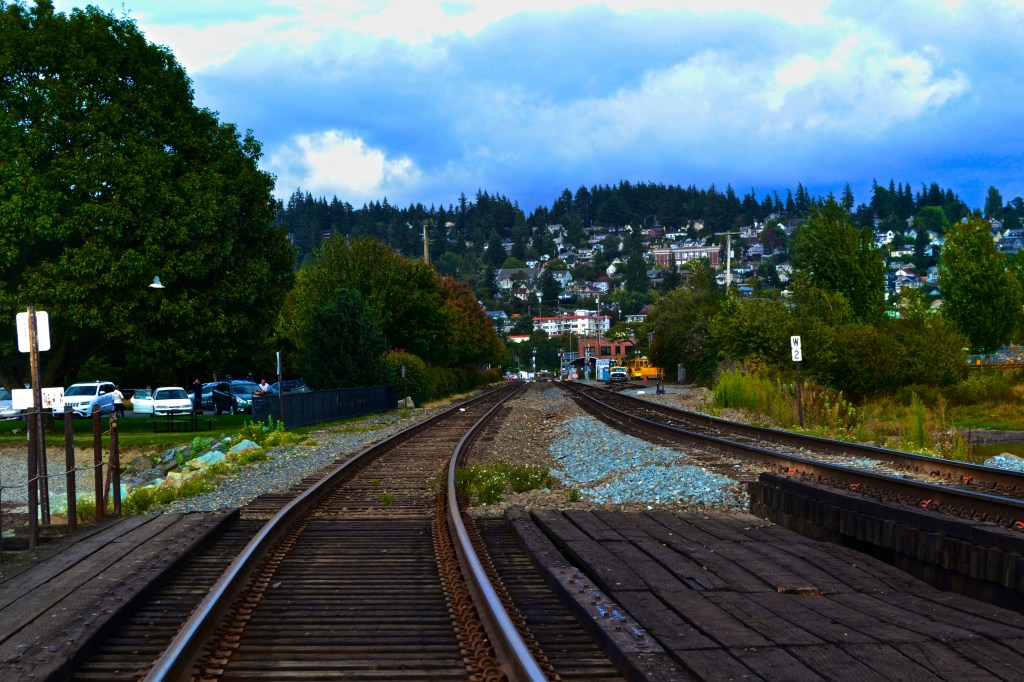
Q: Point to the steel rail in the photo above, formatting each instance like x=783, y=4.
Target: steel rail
x=976, y=475
x=182, y=653
x=512, y=651
x=1007, y=512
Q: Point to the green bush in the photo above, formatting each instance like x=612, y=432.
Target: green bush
x=259, y=432
x=196, y=485
x=249, y=456
x=452, y=380
x=85, y=509
x=985, y=386
x=417, y=382
x=823, y=408
x=486, y=484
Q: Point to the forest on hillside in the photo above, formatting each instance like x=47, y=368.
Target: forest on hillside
x=471, y=225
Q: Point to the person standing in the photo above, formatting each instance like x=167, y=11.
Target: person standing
x=197, y=399
x=118, y=402
x=264, y=385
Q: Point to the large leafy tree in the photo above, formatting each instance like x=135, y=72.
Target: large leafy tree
x=682, y=324
x=402, y=294
x=980, y=295
x=473, y=339
x=109, y=176
x=432, y=317
x=344, y=345
x=756, y=331
x=834, y=255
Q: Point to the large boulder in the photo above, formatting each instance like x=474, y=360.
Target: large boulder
x=246, y=444
x=205, y=460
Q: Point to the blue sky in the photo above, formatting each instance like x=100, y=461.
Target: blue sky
x=419, y=100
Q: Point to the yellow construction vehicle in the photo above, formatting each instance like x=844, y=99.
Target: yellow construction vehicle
x=642, y=369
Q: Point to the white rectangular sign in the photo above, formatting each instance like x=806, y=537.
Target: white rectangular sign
x=794, y=342
x=21, y=398
x=42, y=331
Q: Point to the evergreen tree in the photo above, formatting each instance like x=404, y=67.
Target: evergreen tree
x=847, y=198
x=635, y=274
x=993, y=203
x=495, y=254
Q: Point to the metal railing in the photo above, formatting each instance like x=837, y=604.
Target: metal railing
x=306, y=409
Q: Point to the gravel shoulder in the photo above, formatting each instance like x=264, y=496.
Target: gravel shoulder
x=529, y=431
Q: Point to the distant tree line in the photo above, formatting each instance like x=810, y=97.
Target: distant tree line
x=475, y=226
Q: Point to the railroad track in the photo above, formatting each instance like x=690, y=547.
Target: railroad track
x=956, y=488
x=369, y=573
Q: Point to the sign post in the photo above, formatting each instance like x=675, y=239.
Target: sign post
x=34, y=336
x=794, y=343
x=280, y=389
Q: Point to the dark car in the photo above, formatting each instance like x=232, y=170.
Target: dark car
x=233, y=396
x=289, y=386
x=207, y=396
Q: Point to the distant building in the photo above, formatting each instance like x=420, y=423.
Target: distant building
x=580, y=325
x=665, y=258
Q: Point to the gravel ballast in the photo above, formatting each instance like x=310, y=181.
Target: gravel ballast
x=598, y=467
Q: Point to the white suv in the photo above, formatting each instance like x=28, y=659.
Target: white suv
x=81, y=397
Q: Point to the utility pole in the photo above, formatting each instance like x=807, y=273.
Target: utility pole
x=728, y=257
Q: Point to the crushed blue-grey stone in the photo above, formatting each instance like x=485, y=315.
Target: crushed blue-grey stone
x=609, y=467
x=1006, y=461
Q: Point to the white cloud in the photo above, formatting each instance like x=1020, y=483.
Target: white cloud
x=334, y=163
x=857, y=88
x=207, y=36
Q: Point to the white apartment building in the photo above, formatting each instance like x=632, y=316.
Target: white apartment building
x=579, y=325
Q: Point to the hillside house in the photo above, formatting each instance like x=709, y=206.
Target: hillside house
x=664, y=258
x=507, y=278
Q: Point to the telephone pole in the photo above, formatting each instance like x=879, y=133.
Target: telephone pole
x=728, y=256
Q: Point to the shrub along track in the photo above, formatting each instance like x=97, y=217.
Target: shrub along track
x=365, y=585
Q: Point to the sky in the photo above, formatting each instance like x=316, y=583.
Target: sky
x=419, y=101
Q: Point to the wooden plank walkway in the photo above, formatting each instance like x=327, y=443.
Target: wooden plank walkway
x=67, y=591
x=680, y=595
x=735, y=597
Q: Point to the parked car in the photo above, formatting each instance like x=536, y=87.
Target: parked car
x=7, y=409
x=208, y=395
x=82, y=397
x=142, y=401
x=233, y=396
x=618, y=374
x=171, y=400
x=289, y=386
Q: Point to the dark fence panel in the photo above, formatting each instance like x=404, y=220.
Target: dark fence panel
x=306, y=409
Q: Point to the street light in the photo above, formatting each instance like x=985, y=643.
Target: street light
x=157, y=284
